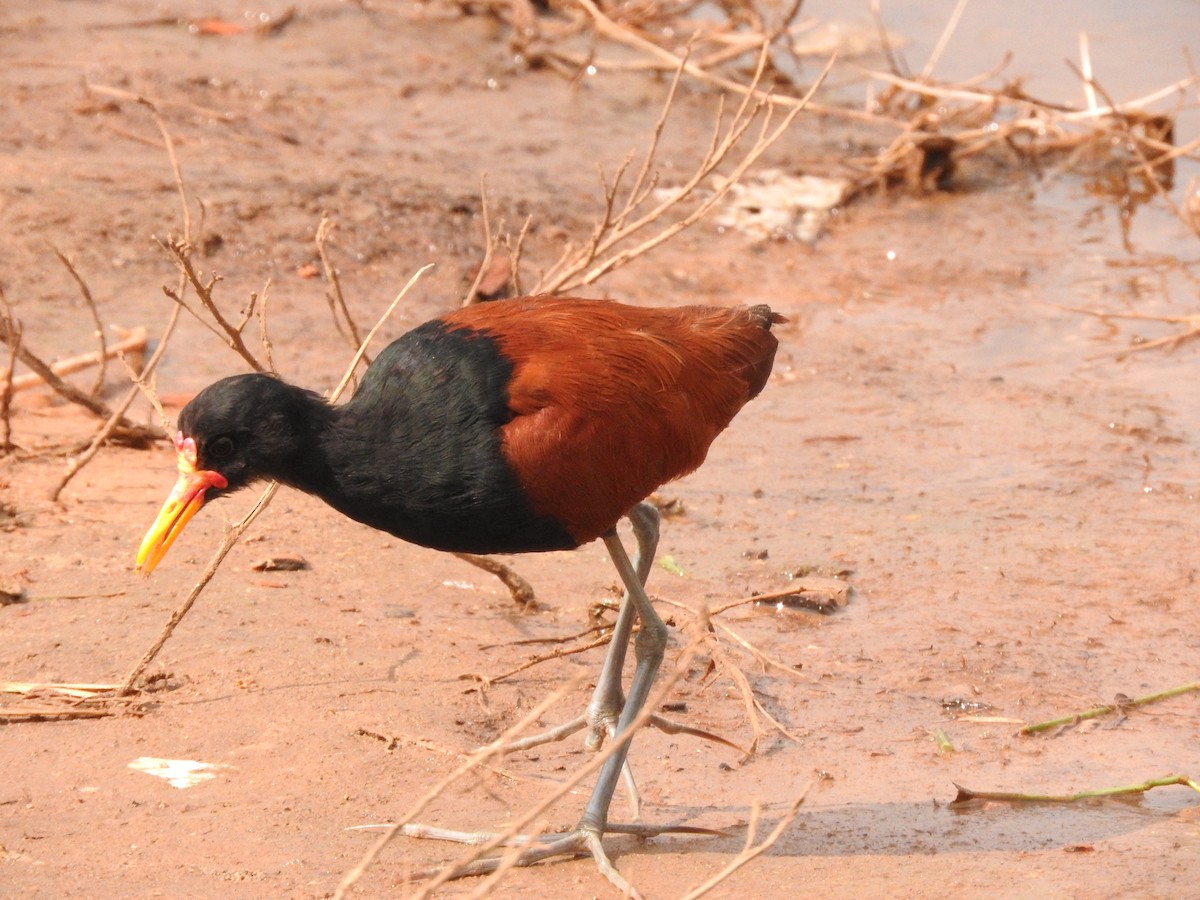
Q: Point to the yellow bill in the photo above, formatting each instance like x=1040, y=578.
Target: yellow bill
x=185, y=501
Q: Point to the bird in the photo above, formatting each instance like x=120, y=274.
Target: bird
x=523, y=425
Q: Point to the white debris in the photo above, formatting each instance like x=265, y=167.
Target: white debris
x=180, y=773
x=775, y=205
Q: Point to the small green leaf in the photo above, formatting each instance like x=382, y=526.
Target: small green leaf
x=669, y=563
x=945, y=745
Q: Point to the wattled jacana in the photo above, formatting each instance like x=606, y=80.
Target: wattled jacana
x=517, y=426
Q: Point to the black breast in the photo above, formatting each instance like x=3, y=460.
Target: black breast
x=417, y=451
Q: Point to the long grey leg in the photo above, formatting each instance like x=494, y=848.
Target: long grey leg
x=608, y=698
x=615, y=711
x=648, y=649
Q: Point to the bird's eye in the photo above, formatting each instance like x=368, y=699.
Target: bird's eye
x=220, y=447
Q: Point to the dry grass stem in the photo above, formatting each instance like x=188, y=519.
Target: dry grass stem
x=342, y=320
x=620, y=222
x=752, y=850
x=366, y=342
x=133, y=342
x=1122, y=704
x=12, y=339
x=944, y=39
x=139, y=386
x=180, y=252
x=490, y=242
x=90, y=302
x=519, y=589
x=480, y=756
x=967, y=796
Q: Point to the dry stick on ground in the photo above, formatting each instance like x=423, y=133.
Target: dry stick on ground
x=131, y=431
x=728, y=665
x=600, y=255
x=1120, y=705
x=235, y=532
x=138, y=378
x=558, y=653
x=133, y=341
x=337, y=301
x=63, y=388
x=1171, y=341
x=751, y=850
x=12, y=338
x=180, y=252
x=471, y=863
x=477, y=758
x=90, y=303
x=519, y=589
x=966, y=795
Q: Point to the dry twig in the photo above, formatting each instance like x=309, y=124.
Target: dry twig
x=966, y=795
x=133, y=342
x=619, y=222
x=131, y=432
x=337, y=300
x=1191, y=330
x=215, y=321
x=752, y=850
x=90, y=303
x=12, y=338
x=473, y=862
x=519, y=589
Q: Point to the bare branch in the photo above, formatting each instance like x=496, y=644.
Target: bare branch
x=751, y=850
x=520, y=589
x=337, y=300
x=180, y=252
x=90, y=303
x=98, y=439
x=12, y=338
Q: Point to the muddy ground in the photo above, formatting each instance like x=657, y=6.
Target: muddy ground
x=1014, y=507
